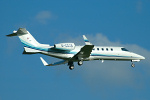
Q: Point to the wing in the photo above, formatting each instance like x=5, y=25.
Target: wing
x=53, y=64
x=83, y=53
x=85, y=50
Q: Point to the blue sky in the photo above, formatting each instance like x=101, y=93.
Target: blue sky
x=115, y=23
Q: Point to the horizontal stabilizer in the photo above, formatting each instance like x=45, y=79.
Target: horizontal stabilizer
x=31, y=51
x=53, y=64
x=13, y=34
x=21, y=31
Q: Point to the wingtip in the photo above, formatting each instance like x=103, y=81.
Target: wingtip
x=84, y=37
x=43, y=61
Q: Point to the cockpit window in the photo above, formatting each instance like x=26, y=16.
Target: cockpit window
x=124, y=49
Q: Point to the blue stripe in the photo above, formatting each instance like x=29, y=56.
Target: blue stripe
x=63, y=51
x=111, y=55
x=108, y=55
x=32, y=46
x=86, y=40
x=45, y=49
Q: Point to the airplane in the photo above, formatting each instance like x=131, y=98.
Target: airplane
x=69, y=53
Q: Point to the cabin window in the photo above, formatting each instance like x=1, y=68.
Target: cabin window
x=124, y=49
x=102, y=49
x=107, y=49
x=93, y=48
x=111, y=49
x=98, y=49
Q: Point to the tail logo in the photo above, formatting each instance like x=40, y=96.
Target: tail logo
x=28, y=38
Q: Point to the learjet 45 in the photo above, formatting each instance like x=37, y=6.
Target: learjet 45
x=70, y=53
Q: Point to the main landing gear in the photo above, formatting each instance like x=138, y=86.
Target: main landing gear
x=71, y=65
x=80, y=63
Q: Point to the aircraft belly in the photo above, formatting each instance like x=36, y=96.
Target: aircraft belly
x=109, y=58
x=69, y=53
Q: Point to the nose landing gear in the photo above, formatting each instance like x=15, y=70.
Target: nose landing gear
x=133, y=65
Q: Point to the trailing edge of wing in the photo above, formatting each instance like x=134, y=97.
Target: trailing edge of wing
x=86, y=40
x=53, y=64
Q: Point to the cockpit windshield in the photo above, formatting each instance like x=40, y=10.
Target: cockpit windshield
x=124, y=49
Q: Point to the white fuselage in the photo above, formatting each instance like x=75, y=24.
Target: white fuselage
x=98, y=53
x=71, y=53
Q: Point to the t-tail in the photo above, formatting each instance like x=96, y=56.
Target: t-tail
x=31, y=45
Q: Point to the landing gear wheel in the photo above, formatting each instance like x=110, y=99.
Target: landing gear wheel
x=80, y=63
x=133, y=65
x=71, y=67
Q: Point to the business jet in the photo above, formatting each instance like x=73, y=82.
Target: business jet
x=69, y=53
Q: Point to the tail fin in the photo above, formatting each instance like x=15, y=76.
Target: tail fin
x=25, y=37
x=28, y=40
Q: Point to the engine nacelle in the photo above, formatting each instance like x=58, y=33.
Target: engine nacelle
x=64, y=46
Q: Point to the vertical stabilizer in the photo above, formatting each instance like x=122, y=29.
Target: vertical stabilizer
x=29, y=41
x=26, y=38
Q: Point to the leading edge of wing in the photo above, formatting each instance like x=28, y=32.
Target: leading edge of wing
x=53, y=64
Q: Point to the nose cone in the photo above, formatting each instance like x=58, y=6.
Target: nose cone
x=142, y=58
x=138, y=56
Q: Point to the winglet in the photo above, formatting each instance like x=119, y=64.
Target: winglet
x=43, y=61
x=86, y=40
